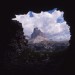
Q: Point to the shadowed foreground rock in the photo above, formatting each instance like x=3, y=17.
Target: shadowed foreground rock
x=20, y=52
x=20, y=57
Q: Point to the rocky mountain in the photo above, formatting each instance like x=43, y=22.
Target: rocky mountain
x=40, y=42
x=37, y=36
x=37, y=32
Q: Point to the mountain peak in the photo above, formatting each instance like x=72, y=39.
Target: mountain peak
x=37, y=36
x=37, y=32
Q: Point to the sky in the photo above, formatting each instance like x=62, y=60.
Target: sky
x=50, y=22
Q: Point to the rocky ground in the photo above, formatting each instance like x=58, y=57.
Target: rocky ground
x=20, y=53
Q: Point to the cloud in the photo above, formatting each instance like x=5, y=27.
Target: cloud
x=50, y=22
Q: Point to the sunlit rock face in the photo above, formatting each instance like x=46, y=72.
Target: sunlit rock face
x=47, y=29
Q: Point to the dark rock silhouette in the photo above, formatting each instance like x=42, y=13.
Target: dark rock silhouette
x=16, y=45
x=19, y=39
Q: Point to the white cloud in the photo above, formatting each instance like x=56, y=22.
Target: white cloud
x=49, y=23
